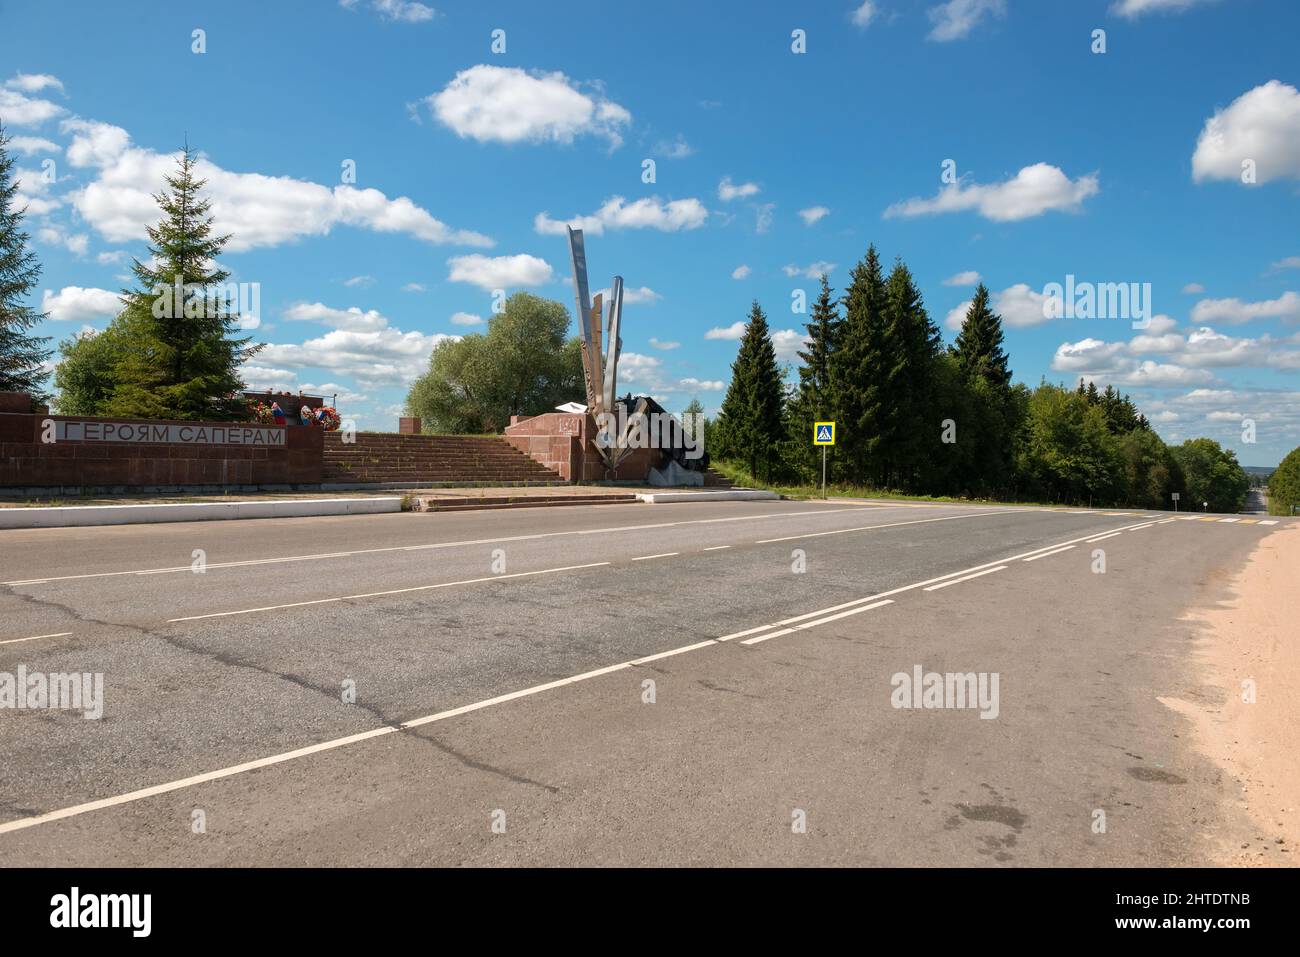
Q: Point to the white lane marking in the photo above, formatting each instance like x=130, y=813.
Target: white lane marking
x=867, y=528
x=676, y=651
x=1136, y=527
x=432, y=545
x=1055, y=551
x=1165, y=521
x=1229, y=520
x=143, y=793
x=714, y=548
x=820, y=621
x=391, y=591
x=901, y=589
x=966, y=578
x=14, y=641
x=1102, y=538
x=1271, y=522
x=646, y=558
x=1188, y=518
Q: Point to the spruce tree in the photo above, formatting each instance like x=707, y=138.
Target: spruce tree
x=911, y=428
x=858, y=378
x=812, y=401
x=987, y=427
x=185, y=354
x=750, y=421
x=978, y=347
x=22, y=356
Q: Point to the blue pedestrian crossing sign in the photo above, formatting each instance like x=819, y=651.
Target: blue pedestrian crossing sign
x=823, y=433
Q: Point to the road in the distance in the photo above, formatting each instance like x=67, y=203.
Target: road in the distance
x=443, y=623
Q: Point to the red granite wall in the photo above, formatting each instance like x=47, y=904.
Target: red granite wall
x=123, y=452
x=564, y=441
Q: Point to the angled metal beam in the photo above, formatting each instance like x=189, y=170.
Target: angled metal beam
x=614, y=345
x=578, y=253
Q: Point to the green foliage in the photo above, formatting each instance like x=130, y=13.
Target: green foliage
x=166, y=355
x=859, y=370
x=1212, y=475
x=812, y=401
x=1068, y=454
x=22, y=356
x=751, y=423
x=522, y=365
x=84, y=378
x=1284, y=485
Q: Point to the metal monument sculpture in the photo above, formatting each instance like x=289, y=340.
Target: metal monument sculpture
x=601, y=343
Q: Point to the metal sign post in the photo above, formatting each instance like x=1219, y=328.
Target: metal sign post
x=1174, y=496
x=824, y=435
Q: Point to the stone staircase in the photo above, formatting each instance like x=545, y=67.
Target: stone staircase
x=430, y=461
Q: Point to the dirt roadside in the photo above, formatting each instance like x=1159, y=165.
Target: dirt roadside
x=1254, y=637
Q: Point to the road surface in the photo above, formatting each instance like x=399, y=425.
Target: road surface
x=621, y=684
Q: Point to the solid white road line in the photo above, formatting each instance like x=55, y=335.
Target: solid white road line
x=155, y=790
x=1055, y=551
x=820, y=621
x=432, y=545
x=867, y=528
x=14, y=641
x=391, y=591
x=900, y=590
x=646, y=558
x=1102, y=538
x=966, y=578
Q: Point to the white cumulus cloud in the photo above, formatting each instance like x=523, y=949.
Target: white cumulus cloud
x=649, y=212
x=1262, y=125
x=508, y=105
x=1033, y=191
x=499, y=272
x=78, y=304
x=955, y=19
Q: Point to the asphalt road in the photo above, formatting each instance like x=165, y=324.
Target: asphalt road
x=615, y=684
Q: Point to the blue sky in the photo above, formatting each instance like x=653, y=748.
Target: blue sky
x=1122, y=166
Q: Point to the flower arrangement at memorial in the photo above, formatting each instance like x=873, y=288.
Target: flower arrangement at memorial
x=328, y=418
x=261, y=412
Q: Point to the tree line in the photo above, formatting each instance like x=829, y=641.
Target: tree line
x=915, y=416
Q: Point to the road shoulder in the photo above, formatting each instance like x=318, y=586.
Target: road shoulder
x=1250, y=640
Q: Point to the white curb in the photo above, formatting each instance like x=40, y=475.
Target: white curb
x=722, y=495
x=78, y=515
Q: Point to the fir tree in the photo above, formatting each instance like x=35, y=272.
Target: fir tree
x=857, y=370
x=22, y=356
x=750, y=422
x=185, y=356
x=812, y=401
x=978, y=347
x=912, y=431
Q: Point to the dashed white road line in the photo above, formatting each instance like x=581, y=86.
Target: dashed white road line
x=143, y=793
x=14, y=641
x=428, y=546
x=1102, y=538
x=391, y=591
x=646, y=558
x=1271, y=522
x=1229, y=520
x=714, y=548
x=1055, y=551
x=1136, y=527
x=867, y=528
x=966, y=578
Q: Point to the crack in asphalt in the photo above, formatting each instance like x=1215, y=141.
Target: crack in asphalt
x=232, y=661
